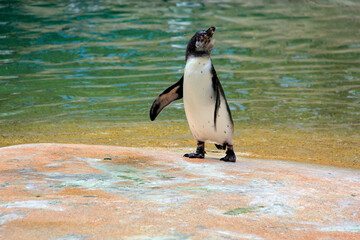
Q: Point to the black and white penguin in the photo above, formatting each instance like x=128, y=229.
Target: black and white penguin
x=205, y=104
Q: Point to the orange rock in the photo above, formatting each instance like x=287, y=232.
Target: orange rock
x=68, y=191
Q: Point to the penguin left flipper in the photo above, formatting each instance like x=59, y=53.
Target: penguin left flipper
x=172, y=93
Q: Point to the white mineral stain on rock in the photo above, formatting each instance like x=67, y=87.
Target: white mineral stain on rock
x=344, y=228
x=72, y=237
x=8, y=217
x=162, y=237
x=144, y=184
x=37, y=204
x=237, y=235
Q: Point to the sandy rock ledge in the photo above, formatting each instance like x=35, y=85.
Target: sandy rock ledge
x=69, y=191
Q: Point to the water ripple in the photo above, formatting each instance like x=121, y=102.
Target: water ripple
x=93, y=59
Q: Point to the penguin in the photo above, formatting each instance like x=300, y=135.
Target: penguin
x=207, y=111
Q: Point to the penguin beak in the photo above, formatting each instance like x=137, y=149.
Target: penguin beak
x=210, y=31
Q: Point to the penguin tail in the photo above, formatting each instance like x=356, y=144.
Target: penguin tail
x=222, y=147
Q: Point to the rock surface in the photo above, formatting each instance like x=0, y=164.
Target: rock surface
x=68, y=191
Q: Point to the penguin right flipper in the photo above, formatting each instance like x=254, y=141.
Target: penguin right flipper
x=217, y=89
x=170, y=94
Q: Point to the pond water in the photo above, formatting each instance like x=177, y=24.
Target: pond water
x=283, y=65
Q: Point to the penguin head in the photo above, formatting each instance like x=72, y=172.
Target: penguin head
x=201, y=43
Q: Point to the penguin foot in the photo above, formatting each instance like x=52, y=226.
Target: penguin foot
x=194, y=155
x=200, y=153
x=230, y=156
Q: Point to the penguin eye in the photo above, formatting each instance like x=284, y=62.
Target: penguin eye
x=201, y=37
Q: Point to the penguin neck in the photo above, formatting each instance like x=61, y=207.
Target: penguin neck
x=197, y=59
x=197, y=55
x=197, y=65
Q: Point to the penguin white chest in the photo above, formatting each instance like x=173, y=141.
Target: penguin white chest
x=198, y=88
x=199, y=103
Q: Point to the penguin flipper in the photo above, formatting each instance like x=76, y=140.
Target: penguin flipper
x=217, y=89
x=172, y=93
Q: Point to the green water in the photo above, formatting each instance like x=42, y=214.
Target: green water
x=286, y=63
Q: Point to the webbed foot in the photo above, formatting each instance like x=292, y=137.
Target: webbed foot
x=200, y=152
x=194, y=155
x=230, y=156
